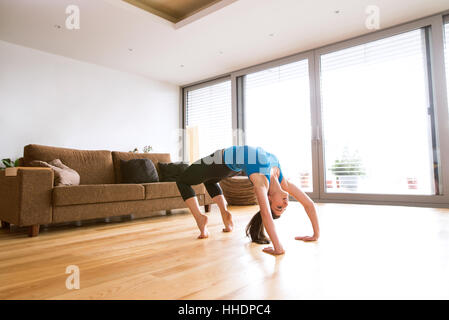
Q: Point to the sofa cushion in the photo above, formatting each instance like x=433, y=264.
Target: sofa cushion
x=94, y=167
x=159, y=190
x=64, y=176
x=155, y=157
x=138, y=171
x=101, y=193
x=140, y=208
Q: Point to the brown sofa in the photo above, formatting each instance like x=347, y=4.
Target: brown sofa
x=28, y=197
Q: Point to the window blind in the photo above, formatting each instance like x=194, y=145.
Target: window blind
x=397, y=47
x=288, y=72
x=209, y=113
x=376, y=126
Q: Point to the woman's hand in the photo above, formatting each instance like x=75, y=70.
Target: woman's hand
x=307, y=238
x=270, y=250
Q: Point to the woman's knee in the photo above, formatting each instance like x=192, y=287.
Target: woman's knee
x=185, y=190
x=213, y=189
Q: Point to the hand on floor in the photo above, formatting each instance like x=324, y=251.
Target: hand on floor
x=307, y=238
x=270, y=250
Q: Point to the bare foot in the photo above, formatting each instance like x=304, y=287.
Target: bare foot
x=202, y=225
x=227, y=221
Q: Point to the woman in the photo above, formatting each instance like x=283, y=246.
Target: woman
x=271, y=189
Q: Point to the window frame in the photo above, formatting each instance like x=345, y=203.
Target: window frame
x=240, y=108
x=436, y=78
x=440, y=104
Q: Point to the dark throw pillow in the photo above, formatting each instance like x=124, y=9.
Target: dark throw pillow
x=138, y=171
x=170, y=171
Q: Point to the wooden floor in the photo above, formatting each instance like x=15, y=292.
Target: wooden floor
x=365, y=252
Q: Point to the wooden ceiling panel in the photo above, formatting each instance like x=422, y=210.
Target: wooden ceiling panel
x=173, y=10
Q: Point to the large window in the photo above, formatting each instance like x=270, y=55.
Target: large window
x=376, y=127
x=208, y=119
x=360, y=120
x=277, y=117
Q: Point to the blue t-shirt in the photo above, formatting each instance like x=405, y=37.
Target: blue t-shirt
x=251, y=160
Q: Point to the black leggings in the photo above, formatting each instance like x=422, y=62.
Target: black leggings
x=208, y=170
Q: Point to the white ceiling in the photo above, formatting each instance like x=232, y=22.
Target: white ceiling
x=229, y=39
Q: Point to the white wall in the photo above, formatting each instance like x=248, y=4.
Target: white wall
x=52, y=100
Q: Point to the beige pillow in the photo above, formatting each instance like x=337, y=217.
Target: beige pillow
x=64, y=176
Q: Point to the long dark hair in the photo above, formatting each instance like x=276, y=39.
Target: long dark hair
x=255, y=229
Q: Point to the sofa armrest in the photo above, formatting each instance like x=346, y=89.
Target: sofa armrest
x=25, y=195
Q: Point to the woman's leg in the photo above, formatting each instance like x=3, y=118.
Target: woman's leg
x=200, y=171
x=215, y=192
x=200, y=218
x=226, y=216
x=193, y=176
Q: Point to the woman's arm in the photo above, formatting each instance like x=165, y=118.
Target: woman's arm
x=309, y=207
x=261, y=190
